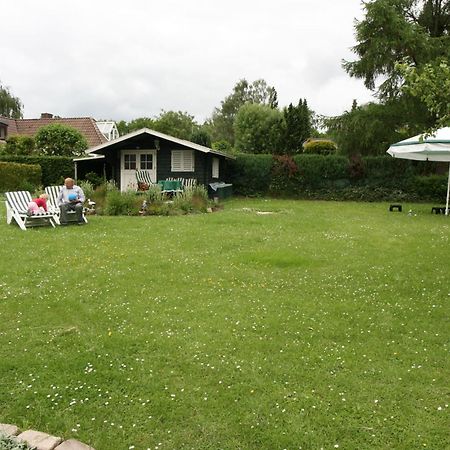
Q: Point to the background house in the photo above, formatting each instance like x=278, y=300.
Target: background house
x=108, y=128
x=87, y=126
x=161, y=155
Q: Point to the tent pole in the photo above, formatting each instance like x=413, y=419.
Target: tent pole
x=448, y=190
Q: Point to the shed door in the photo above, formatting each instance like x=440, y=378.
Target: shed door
x=131, y=160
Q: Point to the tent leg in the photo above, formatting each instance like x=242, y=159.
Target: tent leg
x=448, y=191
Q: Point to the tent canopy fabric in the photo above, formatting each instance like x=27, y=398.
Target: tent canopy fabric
x=435, y=147
x=432, y=148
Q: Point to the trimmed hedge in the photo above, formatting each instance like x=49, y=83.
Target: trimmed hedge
x=54, y=168
x=19, y=177
x=336, y=177
x=251, y=174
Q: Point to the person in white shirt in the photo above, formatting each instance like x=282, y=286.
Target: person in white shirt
x=71, y=198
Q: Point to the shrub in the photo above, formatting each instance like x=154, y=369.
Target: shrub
x=11, y=443
x=122, y=203
x=94, y=178
x=432, y=188
x=87, y=187
x=193, y=199
x=19, y=177
x=154, y=194
x=322, y=147
x=57, y=139
x=20, y=145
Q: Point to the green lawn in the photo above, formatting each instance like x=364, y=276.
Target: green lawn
x=322, y=325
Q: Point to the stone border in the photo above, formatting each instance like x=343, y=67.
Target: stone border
x=41, y=441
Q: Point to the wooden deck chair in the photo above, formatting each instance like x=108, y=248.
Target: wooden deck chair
x=17, y=209
x=53, y=194
x=143, y=178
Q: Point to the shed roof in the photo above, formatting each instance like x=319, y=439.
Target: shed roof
x=159, y=135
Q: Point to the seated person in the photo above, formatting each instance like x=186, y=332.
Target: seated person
x=38, y=205
x=71, y=198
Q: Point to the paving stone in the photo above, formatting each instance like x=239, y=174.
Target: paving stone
x=42, y=441
x=73, y=444
x=9, y=430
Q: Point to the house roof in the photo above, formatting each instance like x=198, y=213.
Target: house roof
x=159, y=135
x=85, y=125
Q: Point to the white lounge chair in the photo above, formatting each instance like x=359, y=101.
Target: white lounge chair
x=17, y=209
x=53, y=194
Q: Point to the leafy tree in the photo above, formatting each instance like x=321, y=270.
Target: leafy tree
x=222, y=146
x=60, y=140
x=201, y=137
x=135, y=124
x=176, y=123
x=122, y=127
x=431, y=84
x=243, y=92
x=258, y=129
x=20, y=145
x=393, y=30
x=297, y=126
x=10, y=106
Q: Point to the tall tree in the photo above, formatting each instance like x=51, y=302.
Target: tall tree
x=10, y=106
x=176, y=123
x=243, y=92
x=393, y=30
x=297, y=123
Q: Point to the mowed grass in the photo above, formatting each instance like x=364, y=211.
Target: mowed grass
x=322, y=325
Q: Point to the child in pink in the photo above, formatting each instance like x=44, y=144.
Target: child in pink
x=38, y=205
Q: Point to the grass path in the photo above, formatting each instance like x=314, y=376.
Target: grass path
x=322, y=325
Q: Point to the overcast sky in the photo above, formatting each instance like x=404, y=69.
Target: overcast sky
x=112, y=59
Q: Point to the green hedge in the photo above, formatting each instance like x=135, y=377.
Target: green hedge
x=19, y=177
x=336, y=178
x=251, y=174
x=54, y=168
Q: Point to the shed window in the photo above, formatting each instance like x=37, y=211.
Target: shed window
x=129, y=162
x=215, y=168
x=146, y=161
x=182, y=160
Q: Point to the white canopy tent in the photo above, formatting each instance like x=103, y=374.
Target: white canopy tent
x=435, y=147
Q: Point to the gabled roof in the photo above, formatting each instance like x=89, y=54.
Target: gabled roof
x=159, y=135
x=85, y=125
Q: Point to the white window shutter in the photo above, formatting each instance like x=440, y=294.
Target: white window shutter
x=182, y=161
x=177, y=161
x=188, y=161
